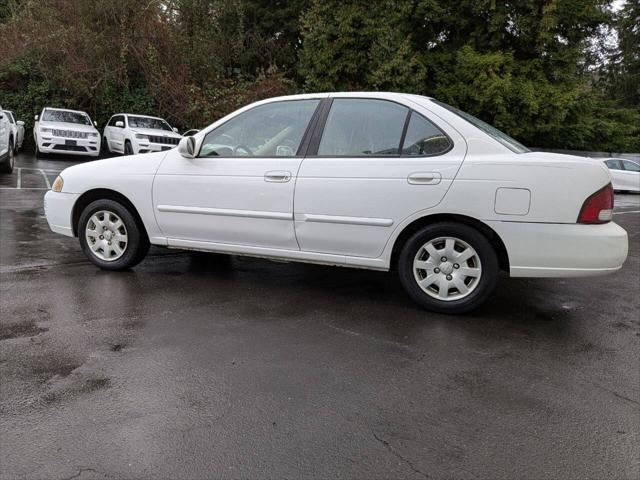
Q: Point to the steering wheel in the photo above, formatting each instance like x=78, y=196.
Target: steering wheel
x=237, y=148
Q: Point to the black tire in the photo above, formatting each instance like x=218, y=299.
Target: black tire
x=137, y=244
x=128, y=149
x=7, y=165
x=36, y=151
x=482, y=287
x=105, y=152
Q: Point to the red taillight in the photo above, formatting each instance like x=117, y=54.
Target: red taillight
x=598, y=208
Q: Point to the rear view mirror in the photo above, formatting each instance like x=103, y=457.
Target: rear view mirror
x=120, y=124
x=187, y=147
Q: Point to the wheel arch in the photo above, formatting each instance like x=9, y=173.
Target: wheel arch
x=483, y=228
x=103, y=194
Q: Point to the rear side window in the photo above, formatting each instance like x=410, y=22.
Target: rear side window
x=363, y=127
x=423, y=138
x=631, y=166
x=613, y=164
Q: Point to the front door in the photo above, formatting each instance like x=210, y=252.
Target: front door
x=239, y=189
x=377, y=162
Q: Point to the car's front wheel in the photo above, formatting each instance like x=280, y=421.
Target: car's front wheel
x=448, y=268
x=128, y=149
x=110, y=235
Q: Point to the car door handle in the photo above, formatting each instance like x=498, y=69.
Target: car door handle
x=424, y=178
x=279, y=176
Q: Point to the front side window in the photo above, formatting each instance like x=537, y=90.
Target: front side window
x=613, y=164
x=114, y=120
x=359, y=127
x=271, y=130
x=501, y=137
x=423, y=138
x=66, y=117
x=631, y=166
x=148, y=122
x=9, y=116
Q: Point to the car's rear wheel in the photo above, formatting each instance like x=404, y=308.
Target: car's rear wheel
x=7, y=165
x=448, y=268
x=110, y=235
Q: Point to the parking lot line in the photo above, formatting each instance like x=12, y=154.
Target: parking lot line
x=630, y=211
x=19, y=182
x=45, y=178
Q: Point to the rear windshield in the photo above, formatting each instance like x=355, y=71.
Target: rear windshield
x=147, y=122
x=511, y=143
x=66, y=117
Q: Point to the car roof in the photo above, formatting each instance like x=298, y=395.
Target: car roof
x=65, y=110
x=138, y=115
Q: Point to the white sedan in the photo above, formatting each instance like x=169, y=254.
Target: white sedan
x=132, y=134
x=625, y=174
x=370, y=180
x=71, y=132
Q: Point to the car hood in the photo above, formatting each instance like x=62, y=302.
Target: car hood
x=110, y=172
x=156, y=133
x=76, y=127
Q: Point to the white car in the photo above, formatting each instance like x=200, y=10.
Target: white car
x=132, y=134
x=17, y=126
x=71, y=132
x=368, y=180
x=7, y=150
x=625, y=174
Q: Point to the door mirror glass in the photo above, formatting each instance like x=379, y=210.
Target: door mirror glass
x=187, y=147
x=120, y=124
x=271, y=130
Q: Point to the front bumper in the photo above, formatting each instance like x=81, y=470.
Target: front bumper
x=52, y=144
x=148, y=147
x=562, y=250
x=58, y=208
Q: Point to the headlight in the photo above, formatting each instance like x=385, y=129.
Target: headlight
x=57, y=184
x=92, y=134
x=139, y=136
x=45, y=130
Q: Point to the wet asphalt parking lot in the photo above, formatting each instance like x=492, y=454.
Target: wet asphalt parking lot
x=197, y=365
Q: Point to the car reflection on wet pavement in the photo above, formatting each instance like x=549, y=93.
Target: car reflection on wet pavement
x=198, y=365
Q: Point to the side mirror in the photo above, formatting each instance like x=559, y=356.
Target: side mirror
x=120, y=124
x=175, y=129
x=187, y=147
x=35, y=117
x=20, y=122
x=95, y=124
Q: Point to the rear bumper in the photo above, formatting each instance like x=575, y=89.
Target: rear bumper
x=562, y=250
x=58, y=208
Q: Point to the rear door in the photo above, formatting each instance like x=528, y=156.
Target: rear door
x=374, y=162
x=631, y=176
x=4, y=132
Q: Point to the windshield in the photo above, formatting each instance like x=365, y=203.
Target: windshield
x=9, y=116
x=148, y=122
x=66, y=117
x=511, y=143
